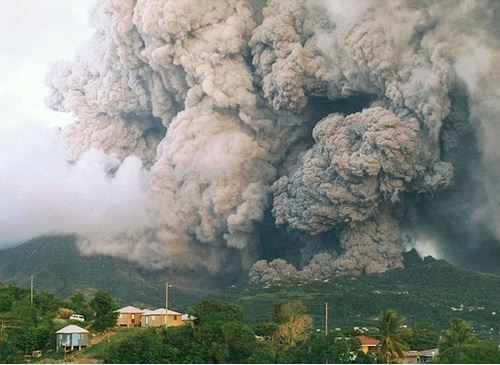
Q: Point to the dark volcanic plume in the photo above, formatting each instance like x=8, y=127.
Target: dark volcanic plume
x=292, y=127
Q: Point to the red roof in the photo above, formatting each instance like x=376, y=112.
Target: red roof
x=368, y=341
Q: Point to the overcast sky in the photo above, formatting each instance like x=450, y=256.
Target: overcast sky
x=40, y=192
x=34, y=33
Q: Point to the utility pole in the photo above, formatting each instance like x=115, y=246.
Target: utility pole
x=31, y=297
x=166, y=305
x=326, y=318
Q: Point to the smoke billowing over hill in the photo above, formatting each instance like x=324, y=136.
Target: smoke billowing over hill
x=291, y=128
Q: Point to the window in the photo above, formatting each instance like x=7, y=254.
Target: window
x=175, y=318
x=133, y=316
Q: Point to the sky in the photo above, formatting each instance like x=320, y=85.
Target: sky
x=34, y=33
x=41, y=193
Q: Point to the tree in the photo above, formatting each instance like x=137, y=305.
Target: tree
x=322, y=349
x=265, y=329
x=78, y=303
x=391, y=334
x=457, y=335
x=178, y=343
x=103, y=306
x=223, y=342
x=143, y=348
x=294, y=326
x=478, y=352
x=217, y=309
x=422, y=337
x=46, y=302
x=285, y=311
x=262, y=354
x=9, y=354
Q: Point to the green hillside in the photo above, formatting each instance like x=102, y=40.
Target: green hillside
x=423, y=293
x=59, y=268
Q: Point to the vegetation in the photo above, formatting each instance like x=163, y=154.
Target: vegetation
x=431, y=292
x=286, y=317
x=221, y=335
x=293, y=325
x=422, y=337
x=76, y=273
x=391, y=332
x=103, y=305
x=424, y=291
x=26, y=327
x=459, y=345
x=457, y=335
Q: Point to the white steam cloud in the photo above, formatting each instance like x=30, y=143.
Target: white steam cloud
x=42, y=193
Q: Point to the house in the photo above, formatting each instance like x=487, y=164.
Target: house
x=159, y=317
x=71, y=337
x=129, y=317
x=408, y=357
x=427, y=356
x=368, y=344
x=187, y=319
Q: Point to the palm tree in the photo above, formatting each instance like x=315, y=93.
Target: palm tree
x=457, y=335
x=391, y=333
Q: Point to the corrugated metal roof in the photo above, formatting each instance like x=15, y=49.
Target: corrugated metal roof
x=410, y=353
x=72, y=329
x=429, y=353
x=129, y=309
x=161, y=311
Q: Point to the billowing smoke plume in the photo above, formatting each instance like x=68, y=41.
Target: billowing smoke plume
x=346, y=123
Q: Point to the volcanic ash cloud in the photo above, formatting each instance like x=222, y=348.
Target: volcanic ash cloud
x=335, y=120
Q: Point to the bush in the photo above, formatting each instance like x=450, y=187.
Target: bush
x=9, y=354
x=145, y=347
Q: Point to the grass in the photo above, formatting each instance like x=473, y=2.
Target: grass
x=97, y=351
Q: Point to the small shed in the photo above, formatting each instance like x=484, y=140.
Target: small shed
x=71, y=337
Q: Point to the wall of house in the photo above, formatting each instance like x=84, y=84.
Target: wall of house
x=159, y=320
x=72, y=339
x=128, y=319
